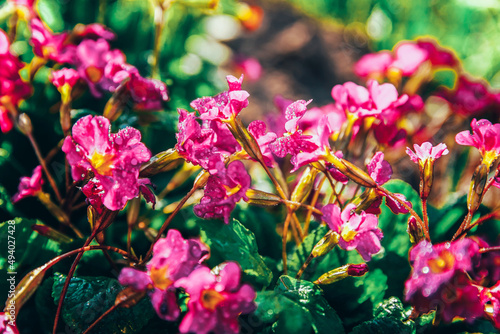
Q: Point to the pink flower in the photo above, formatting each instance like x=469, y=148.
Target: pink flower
x=199, y=143
x=408, y=58
x=490, y=298
x=470, y=96
x=223, y=191
x=51, y=46
x=373, y=64
x=65, y=76
x=12, y=88
x=485, y=137
x=173, y=258
x=29, y=186
x=249, y=67
x=6, y=325
x=379, y=169
x=258, y=130
x=92, y=31
x=437, y=270
x=216, y=301
x=6, y=122
x=437, y=55
x=91, y=59
x=427, y=152
x=224, y=106
x=110, y=161
x=357, y=231
x=147, y=94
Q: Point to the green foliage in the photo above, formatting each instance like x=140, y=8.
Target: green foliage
x=88, y=297
x=233, y=242
x=297, y=306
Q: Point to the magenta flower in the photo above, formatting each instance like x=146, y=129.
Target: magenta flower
x=12, y=88
x=223, y=191
x=485, y=137
x=66, y=77
x=249, y=67
x=490, y=298
x=216, y=301
x=6, y=326
x=357, y=231
x=426, y=152
x=6, y=122
x=408, y=58
x=199, y=144
x=51, y=46
x=224, y=106
x=436, y=267
x=258, y=130
x=173, y=258
x=29, y=186
x=111, y=162
x=91, y=59
x=373, y=64
x=470, y=96
x=379, y=169
x=147, y=94
x=92, y=31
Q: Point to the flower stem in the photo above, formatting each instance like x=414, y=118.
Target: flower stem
x=425, y=214
x=44, y=166
x=312, y=205
x=284, y=237
x=304, y=266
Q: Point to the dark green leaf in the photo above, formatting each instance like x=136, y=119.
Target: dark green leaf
x=88, y=297
x=233, y=242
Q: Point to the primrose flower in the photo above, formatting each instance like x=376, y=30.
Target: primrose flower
x=485, y=137
x=258, y=130
x=224, y=106
x=110, y=161
x=51, y=46
x=6, y=325
x=147, y=94
x=373, y=64
x=92, y=31
x=12, y=88
x=490, y=298
x=216, y=300
x=64, y=80
x=426, y=153
x=249, y=66
x=173, y=258
x=6, y=122
x=470, y=96
x=200, y=144
x=29, y=186
x=357, y=231
x=223, y=191
x=436, y=267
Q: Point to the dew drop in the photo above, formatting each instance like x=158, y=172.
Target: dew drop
x=425, y=270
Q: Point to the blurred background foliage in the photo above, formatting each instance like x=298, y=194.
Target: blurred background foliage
x=469, y=27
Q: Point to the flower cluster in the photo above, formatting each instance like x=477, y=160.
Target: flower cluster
x=12, y=88
x=215, y=299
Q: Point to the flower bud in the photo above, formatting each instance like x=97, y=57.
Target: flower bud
x=414, y=231
x=161, y=162
x=52, y=234
x=367, y=198
x=426, y=178
x=258, y=197
x=305, y=185
x=24, y=124
x=129, y=297
x=351, y=171
x=115, y=105
x=338, y=274
x=133, y=208
x=476, y=190
x=326, y=244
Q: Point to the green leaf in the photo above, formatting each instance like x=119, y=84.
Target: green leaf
x=233, y=242
x=89, y=297
x=390, y=317
x=297, y=258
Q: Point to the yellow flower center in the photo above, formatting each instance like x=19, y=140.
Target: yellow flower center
x=443, y=263
x=159, y=278
x=489, y=158
x=210, y=299
x=348, y=234
x=94, y=74
x=103, y=163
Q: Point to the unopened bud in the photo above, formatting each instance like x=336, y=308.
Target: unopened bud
x=338, y=274
x=129, y=297
x=258, y=197
x=477, y=186
x=367, y=198
x=24, y=124
x=161, y=162
x=426, y=177
x=353, y=172
x=305, y=185
x=115, y=105
x=414, y=231
x=133, y=209
x=91, y=216
x=52, y=234
x=245, y=139
x=326, y=244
